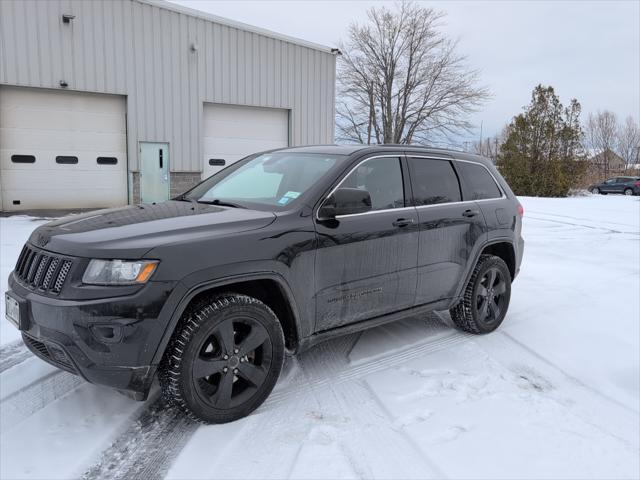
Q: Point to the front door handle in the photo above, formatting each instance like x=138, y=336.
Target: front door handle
x=403, y=222
x=470, y=213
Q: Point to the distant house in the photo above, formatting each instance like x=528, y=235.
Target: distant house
x=608, y=160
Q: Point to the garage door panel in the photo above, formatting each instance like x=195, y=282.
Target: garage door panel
x=230, y=146
x=47, y=124
x=232, y=132
x=238, y=113
x=39, y=119
x=246, y=130
x=46, y=160
x=53, y=141
x=18, y=98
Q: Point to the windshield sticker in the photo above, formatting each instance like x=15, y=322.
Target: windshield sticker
x=292, y=194
x=284, y=200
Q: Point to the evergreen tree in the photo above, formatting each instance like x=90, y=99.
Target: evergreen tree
x=542, y=154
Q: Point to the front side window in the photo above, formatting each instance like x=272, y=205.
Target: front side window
x=433, y=181
x=382, y=178
x=478, y=182
x=271, y=180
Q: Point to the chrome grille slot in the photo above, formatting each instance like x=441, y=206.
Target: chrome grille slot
x=44, y=262
x=53, y=265
x=32, y=268
x=62, y=275
x=42, y=270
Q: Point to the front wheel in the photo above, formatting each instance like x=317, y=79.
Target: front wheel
x=224, y=359
x=628, y=191
x=595, y=190
x=486, y=297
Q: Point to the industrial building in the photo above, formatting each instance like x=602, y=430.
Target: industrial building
x=109, y=102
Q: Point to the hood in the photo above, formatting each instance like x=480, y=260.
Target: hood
x=130, y=232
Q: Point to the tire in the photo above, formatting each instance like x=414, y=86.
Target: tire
x=224, y=359
x=628, y=192
x=471, y=314
x=595, y=190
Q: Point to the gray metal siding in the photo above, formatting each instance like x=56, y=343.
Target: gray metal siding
x=143, y=51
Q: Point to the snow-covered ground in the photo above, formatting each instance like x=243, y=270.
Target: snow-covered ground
x=553, y=394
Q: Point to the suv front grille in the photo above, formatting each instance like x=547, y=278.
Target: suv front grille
x=42, y=270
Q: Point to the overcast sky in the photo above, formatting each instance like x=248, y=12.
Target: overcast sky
x=589, y=50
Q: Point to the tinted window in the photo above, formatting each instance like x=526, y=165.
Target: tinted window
x=23, y=159
x=66, y=160
x=433, y=181
x=107, y=160
x=478, y=182
x=382, y=178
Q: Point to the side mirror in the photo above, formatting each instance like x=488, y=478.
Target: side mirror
x=345, y=201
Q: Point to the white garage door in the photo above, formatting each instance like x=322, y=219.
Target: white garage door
x=232, y=132
x=61, y=149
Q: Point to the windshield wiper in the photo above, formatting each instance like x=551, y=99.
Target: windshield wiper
x=222, y=203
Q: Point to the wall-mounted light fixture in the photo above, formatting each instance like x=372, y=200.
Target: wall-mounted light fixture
x=63, y=84
x=67, y=17
x=194, y=47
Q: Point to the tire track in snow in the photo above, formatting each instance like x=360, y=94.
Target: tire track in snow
x=12, y=354
x=602, y=229
x=34, y=397
x=567, y=375
x=367, y=436
x=148, y=447
x=579, y=218
x=321, y=377
x=151, y=444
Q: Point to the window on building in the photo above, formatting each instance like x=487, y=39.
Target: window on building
x=23, y=159
x=107, y=160
x=66, y=160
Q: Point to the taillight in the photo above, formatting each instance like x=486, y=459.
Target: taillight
x=520, y=210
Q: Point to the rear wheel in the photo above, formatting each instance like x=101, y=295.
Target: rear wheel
x=595, y=190
x=224, y=359
x=486, y=297
x=628, y=191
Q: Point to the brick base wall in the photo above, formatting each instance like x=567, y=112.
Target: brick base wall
x=180, y=182
x=183, y=181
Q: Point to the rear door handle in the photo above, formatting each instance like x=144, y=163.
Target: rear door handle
x=470, y=213
x=403, y=222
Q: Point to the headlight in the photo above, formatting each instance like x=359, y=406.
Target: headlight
x=118, y=272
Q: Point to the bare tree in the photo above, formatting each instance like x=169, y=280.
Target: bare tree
x=400, y=80
x=602, y=135
x=629, y=141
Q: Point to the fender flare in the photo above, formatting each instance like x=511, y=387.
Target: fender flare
x=476, y=257
x=201, y=287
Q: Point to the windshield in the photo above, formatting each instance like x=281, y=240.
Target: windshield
x=273, y=180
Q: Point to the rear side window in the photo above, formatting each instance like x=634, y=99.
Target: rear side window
x=433, y=181
x=478, y=183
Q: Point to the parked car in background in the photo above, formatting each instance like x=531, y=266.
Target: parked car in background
x=624, y=185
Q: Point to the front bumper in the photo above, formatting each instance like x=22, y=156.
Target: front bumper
x=109, y=341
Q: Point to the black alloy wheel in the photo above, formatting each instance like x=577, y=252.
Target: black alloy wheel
x=490, y=296
x=486, y=297
x=224, y=358
x=232, y=362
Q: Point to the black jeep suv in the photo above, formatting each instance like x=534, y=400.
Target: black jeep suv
x=273, y=254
